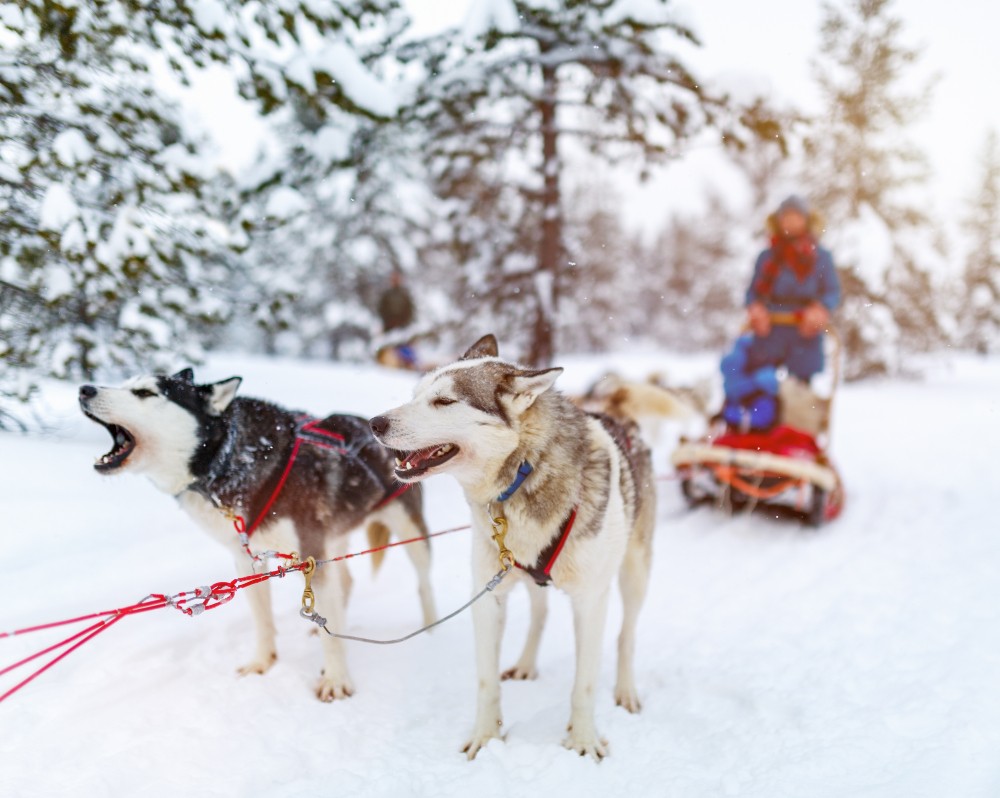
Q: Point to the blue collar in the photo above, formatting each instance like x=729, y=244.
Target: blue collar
x=522, y=474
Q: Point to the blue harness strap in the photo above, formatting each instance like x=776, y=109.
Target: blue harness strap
x=540, y=571
x=522, y=474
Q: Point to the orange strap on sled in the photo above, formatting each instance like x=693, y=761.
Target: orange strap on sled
x=731, y=476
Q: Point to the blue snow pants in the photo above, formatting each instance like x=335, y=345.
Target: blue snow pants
x=784, y=346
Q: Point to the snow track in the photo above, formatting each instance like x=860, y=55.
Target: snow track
x=773, y=660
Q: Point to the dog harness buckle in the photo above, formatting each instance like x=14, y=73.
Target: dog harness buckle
x=499, y=533
x=308, y=597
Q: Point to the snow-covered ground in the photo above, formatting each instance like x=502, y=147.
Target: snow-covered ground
x=860, y=660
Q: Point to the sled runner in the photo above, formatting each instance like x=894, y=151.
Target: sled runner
x=785, y=468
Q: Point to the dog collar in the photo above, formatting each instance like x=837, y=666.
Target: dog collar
x=522, y=474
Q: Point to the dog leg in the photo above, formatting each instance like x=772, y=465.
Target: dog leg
x=589, y=612
x=405, y=527
x=346, y=580
x=632, y=581
x=420, y=556
x=527, y=664
x=259, y=597
x=334, y=682
x=488, y=617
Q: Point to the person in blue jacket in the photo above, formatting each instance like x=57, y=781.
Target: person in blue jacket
x=796, y=279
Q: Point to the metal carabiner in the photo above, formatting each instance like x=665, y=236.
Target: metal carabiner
x=499, y=534
x=308, y=597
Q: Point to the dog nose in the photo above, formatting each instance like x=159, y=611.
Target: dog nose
x=88, y=391
x=380, y=425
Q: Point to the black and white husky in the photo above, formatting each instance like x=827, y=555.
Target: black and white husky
x=224, y=456
x=577, y=494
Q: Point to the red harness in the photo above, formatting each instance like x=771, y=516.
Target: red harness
x=542, y=574
x=541, y=570
x=306, y=432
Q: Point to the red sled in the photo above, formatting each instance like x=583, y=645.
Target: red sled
x=784, y=468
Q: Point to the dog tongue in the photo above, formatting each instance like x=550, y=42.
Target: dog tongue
x=416, y=458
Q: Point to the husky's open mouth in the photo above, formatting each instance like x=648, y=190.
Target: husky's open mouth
x=410, y=465
x=124, y=445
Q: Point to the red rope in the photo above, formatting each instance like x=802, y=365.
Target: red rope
x=393, y=545
x=93, y=631
x=189, y=602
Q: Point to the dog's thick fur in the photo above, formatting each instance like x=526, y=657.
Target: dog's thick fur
x=479, y=419
x=217, y=452
x=643, y=403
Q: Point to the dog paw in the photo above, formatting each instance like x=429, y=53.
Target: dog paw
x=479, y=741
x=628, y=698
x=587, y=744
x=328, y=690
x=519, y=673
x=260, y=665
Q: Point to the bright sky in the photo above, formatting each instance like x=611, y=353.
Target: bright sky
x=777, y=38
x=770, y=41
x=774, y=40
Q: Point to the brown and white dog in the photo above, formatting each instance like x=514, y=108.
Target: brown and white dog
x=588, y=499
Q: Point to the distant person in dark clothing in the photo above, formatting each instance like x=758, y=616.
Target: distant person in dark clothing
x=395, y=307
x=793, y=290
x=397, y=311
x=795, y=278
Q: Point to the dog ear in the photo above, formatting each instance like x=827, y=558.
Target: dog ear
x=484, y=347
x=221, y=395
x=527, y=386
x=185, y=375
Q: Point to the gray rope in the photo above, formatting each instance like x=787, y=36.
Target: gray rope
x=320, y=621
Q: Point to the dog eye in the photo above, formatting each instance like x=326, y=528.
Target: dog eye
x=143, y=393
x=443, y=401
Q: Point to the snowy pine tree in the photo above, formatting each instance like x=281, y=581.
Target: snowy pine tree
x=602, y=281
x=337, y=201
x=695, y=277
x=979, y=314
x=865, y=178
x=103, y=232
x=526, y=91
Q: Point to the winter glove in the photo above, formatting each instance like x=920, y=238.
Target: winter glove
x=759, y=319
x=814, y=320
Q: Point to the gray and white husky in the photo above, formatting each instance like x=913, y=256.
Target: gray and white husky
x=577, y=494
x=221, y=456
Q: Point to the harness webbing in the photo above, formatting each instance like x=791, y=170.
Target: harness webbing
x=522, y=474
x=306, y=433
x=542, y=574
x=541, y=569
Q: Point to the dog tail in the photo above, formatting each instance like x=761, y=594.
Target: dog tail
x=378, y=536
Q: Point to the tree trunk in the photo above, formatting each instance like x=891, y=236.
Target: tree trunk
x=550, y=252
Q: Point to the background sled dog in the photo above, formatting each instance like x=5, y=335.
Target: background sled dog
x=647, y=404
x=590, y=487
x=219, y=454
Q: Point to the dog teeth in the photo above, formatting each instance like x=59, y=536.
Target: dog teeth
x=399, y=463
